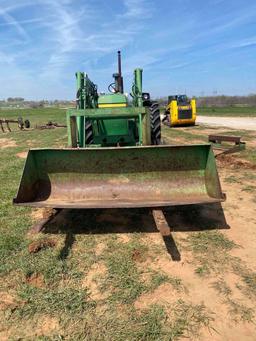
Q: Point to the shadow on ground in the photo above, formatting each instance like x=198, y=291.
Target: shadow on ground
x=104, y=221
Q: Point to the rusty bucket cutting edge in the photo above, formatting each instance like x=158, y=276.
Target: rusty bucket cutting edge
x=150, y=176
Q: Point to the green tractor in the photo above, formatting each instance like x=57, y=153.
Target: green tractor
x=115, y=157
x=113, y=122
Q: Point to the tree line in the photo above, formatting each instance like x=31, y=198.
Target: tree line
x=220, y=101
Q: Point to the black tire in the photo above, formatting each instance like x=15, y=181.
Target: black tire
x=155, y=123
x=27, y=124
x=88, y=132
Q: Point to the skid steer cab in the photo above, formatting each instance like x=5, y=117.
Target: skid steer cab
x=179, y=111
x=114, y=157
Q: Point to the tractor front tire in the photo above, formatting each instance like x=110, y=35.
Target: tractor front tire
x=155, y=123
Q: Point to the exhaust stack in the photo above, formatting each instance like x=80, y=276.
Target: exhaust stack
x=119, y=86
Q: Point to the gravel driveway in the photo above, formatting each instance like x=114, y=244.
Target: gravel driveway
x=247, y=123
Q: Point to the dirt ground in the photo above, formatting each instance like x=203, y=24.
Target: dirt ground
x=246, y=123
x=237, y=221
x=203, y=259
x=7, y=143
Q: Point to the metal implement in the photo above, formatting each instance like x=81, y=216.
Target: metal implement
x=216, y=141
x=180, y=111
x=115, y=158
x=21, y=124
x=50, y=125
x=120, y=177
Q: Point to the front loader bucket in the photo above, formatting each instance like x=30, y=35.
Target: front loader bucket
x=150, y=176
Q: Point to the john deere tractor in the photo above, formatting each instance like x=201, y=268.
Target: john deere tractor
x=111, y=121
x=115, y=158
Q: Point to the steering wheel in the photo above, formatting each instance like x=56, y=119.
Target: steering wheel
x=111, y=88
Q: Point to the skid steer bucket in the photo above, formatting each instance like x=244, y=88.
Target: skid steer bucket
x=150, y=176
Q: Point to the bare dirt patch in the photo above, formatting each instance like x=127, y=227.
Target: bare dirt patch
x=137, y=256
x=38, y=245
x=31, y=143
x=91, y=281
x=99, y=248
x=233, y=162
x=246, y=123
x=22, y=155
x=164, y=295
x=7, y=301
x=7, y=143
x=43, y=326
x=36, y=280
x=124, y=237
x=46, y=325
x=41, y=213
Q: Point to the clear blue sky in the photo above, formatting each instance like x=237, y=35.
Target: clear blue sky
x=198, y=46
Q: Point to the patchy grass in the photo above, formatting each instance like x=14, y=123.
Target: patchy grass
x=237, y=310
x=158, y=278
x=189, y=319
x=176, y=134
x=210, y=249
x=249, y=278
x=222, y=288
x=232, y=179
x=207, y=241
x=196, y=134
x=211, y=252
x=249, y=188
x=240, y=312
x=249, y=154
x=124, y=278
x=52, y=282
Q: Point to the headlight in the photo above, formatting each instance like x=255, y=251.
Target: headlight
x=145, y=96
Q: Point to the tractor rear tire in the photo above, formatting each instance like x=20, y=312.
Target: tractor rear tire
x=88, y=132
x=155, y=123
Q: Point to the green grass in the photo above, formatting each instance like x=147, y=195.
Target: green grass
x=43, y=301
x=124, y=278
x=203, y=242
x=35, y=116
x=228, y=111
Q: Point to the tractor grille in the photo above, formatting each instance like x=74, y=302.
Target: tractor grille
x=184, y=114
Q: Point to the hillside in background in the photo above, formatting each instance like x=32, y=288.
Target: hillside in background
x=203, y=101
